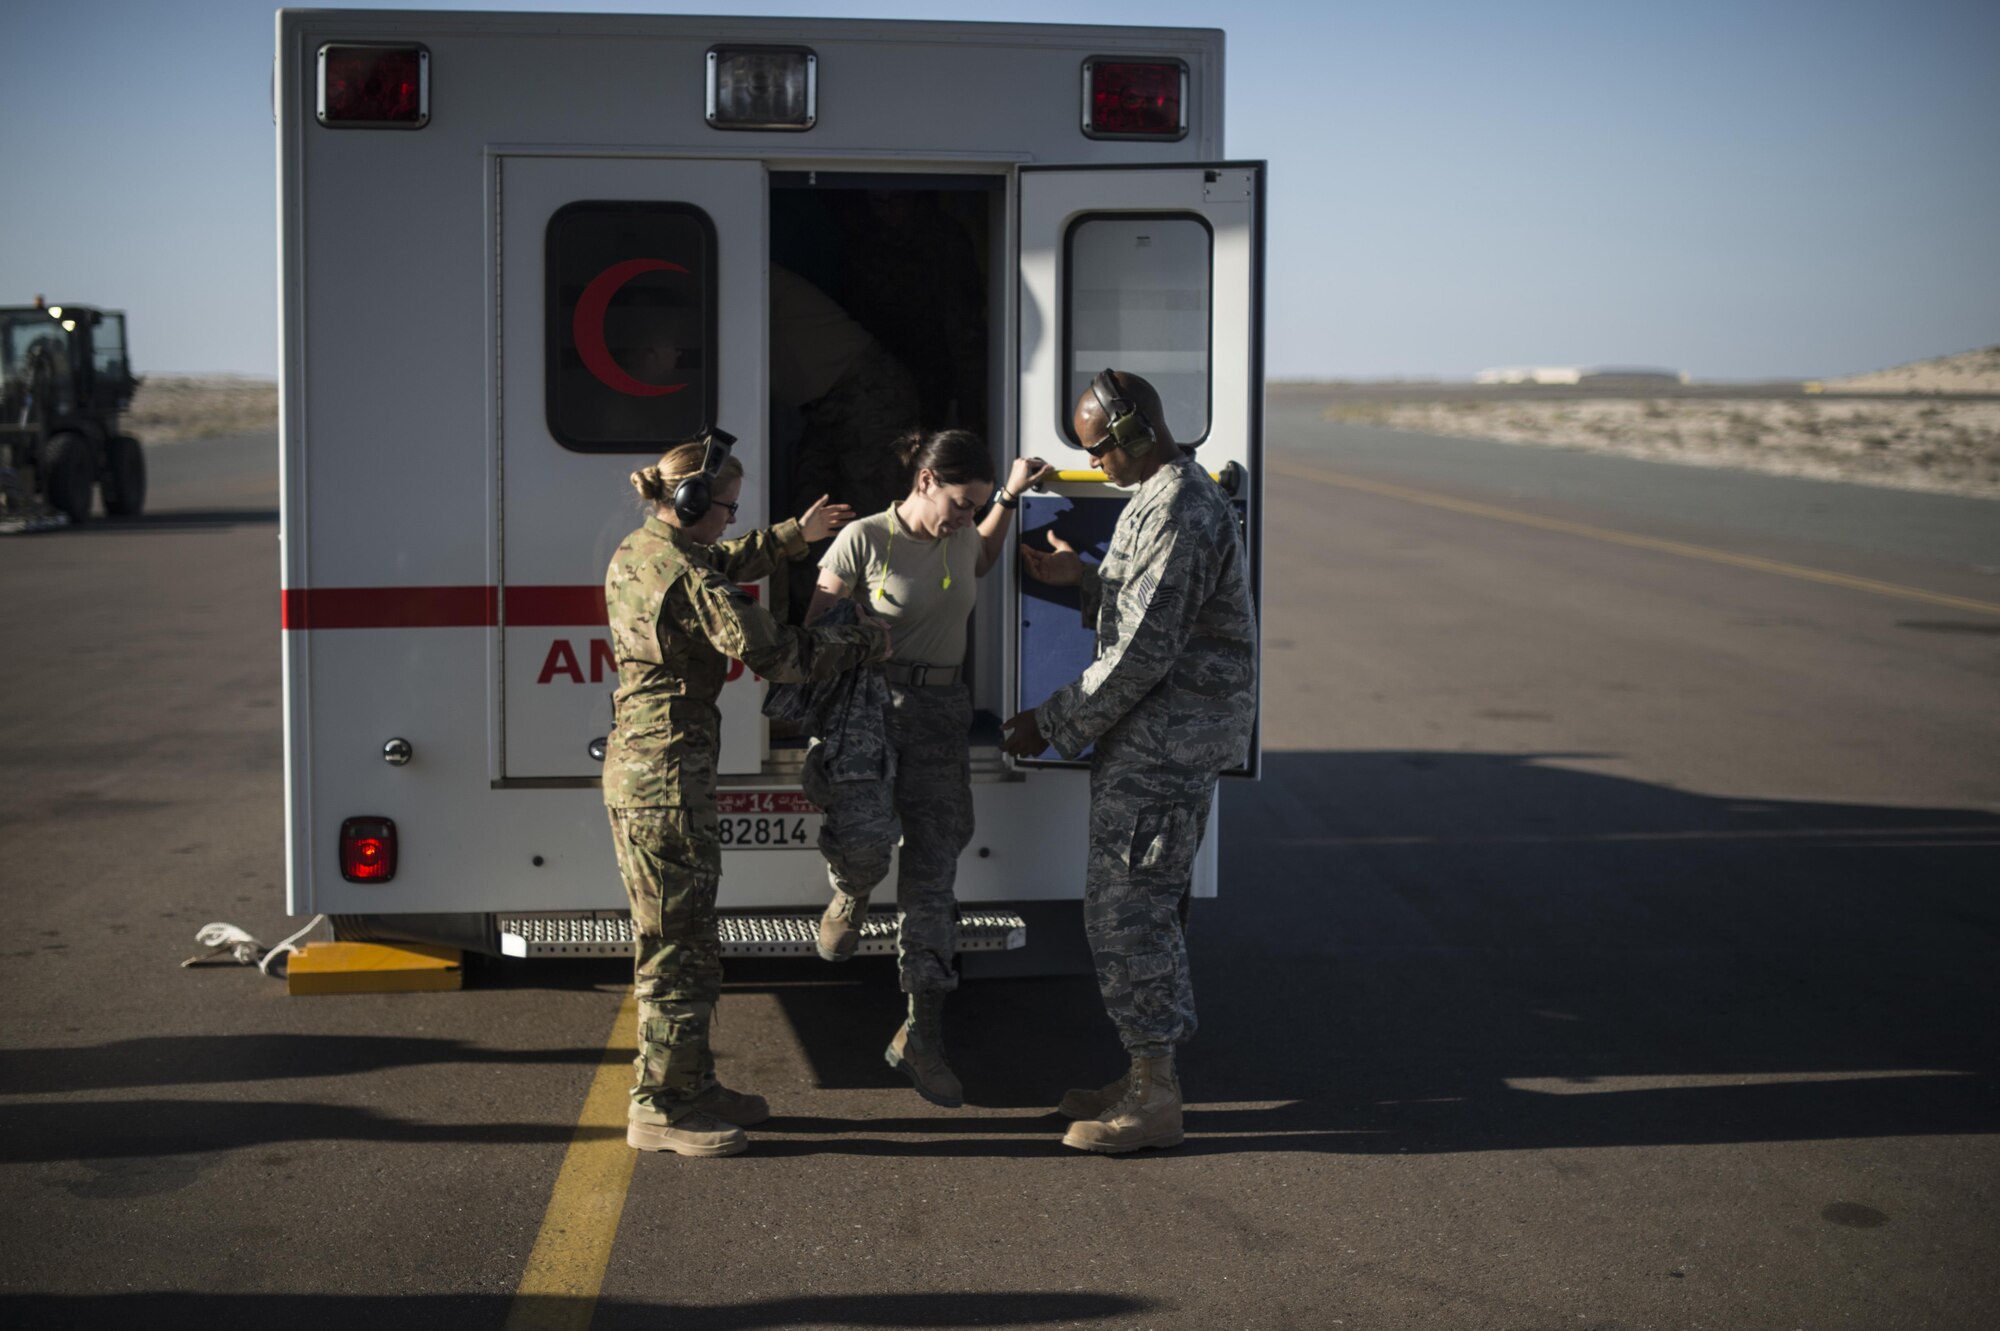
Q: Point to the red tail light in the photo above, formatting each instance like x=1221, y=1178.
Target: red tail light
x=373, y=86
x=368, y=850
x=1129, y=99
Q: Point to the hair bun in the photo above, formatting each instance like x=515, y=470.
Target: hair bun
x=647, y=482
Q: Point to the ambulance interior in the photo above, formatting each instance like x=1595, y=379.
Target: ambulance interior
x=885, y=309
x=888, y=293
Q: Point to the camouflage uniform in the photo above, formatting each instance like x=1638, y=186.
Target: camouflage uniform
x=677, y=617
x=927, y=796
x=1169, y=703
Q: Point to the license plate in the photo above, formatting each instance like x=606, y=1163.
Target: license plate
x=767, y=820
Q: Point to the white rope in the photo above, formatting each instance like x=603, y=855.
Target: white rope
x=290, y=944
x=228, y=943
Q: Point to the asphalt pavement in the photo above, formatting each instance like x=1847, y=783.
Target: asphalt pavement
x=1609, y=943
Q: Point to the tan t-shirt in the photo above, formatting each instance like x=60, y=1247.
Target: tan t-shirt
x=926, y=619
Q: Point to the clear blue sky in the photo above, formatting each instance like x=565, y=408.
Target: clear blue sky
x=1758, y=188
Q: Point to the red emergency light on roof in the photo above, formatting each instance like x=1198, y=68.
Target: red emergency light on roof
x=367, y=850
x=1134, y=99
x=366, y=85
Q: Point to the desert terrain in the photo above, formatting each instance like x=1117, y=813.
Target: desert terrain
x=1923, y=444
x=1933, y=425
x=170, y=408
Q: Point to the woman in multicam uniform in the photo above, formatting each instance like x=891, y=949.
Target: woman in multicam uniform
x=677, y=617
x=917, y=566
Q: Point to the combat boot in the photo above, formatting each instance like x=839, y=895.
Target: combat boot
x=840, y=927
x=738, y=1107
x=918, y=1052
x=1148, y=1114
x=1079, y=1103
x=695, y=1133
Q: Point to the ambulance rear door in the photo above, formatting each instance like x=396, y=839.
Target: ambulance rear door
x=1155, y=270
x=630, y=315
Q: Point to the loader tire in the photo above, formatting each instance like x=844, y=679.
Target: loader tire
x=66, y=478
x=124, y=481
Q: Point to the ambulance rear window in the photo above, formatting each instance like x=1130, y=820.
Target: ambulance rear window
x=1137, y=296
x=630, y=331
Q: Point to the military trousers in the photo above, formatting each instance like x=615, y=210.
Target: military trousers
x=928, y=803
x=671, y=861
x=1146, y=824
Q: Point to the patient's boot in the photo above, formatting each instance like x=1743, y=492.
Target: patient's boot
x=840, y=927
x=918, y=1052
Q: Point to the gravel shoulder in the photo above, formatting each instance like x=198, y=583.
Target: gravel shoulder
x=1931, y=444
x=173, y=408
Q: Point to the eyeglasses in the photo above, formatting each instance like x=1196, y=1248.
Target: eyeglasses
x=731, y=507
x=1101, y=447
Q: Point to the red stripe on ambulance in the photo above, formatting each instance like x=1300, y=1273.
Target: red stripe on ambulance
x=555, y=607
x=391, y=607
x=446, y=607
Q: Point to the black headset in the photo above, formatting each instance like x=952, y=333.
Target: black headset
x=1127, y=424
x=694, y=496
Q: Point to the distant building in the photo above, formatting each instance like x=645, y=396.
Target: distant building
x=1530, y=374
x=1631, y=376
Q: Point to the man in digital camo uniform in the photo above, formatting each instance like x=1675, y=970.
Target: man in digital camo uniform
x=1169, y=703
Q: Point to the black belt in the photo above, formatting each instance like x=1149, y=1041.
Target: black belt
x=920, y=673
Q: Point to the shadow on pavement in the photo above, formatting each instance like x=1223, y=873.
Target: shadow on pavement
x=185, y=519
x=1414, y=952
x=109, y=1129
x=1434, y=952
x=340, y=1312
x=187, y=1060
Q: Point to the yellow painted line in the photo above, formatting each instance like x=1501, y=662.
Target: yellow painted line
x=558, y=1291
x=1681, y=548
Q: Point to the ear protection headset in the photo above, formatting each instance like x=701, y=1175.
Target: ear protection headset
x=695, y=495
x=1129, y=428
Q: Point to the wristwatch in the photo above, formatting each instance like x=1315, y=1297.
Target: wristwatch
x=1006, y=500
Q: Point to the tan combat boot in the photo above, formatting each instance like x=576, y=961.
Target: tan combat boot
x=1148, y=1114
x=738, y=1107
x=695, y=1133
x=1079, y=1103
x=840, y=927
x=918, y=1052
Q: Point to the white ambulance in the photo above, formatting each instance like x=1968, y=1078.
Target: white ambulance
x=523, y=253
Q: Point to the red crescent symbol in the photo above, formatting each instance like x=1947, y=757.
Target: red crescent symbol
x=588, y=327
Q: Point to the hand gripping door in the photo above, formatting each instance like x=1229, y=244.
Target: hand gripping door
x=1156, y=271
x=630, y=314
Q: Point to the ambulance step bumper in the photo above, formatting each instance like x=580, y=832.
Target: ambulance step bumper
x=773, y=934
